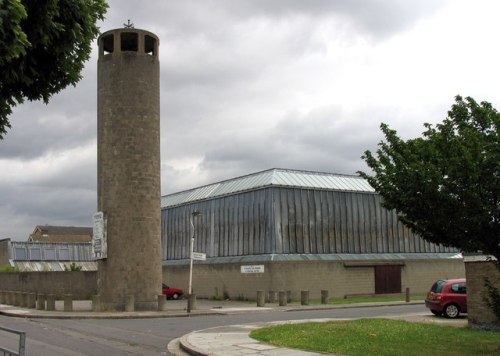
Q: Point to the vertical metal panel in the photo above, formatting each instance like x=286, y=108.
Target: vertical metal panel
x=257, y=224
x=312, y=222
x=241, y=219
x=327, y=242
x=245, y=225
x=292, y=221
x=285, y=224
x=304, y=217
x=299, y=229
x=251, y=223
x=276, y=220
x=265, y=241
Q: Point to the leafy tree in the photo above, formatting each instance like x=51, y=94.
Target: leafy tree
x=445, y=186
x=43, y=47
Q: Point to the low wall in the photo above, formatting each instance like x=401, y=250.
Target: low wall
x=226, y=279
x=479, y=314
x=80, y=284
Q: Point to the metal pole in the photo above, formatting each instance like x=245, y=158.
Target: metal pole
x=191, y=249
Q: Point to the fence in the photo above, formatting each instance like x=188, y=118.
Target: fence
x=22, y=343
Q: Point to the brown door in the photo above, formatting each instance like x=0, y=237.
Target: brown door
x=387, y=279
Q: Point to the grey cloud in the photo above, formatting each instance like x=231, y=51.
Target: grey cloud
x=67, y=121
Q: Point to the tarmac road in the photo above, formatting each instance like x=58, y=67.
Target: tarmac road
x=140, y=336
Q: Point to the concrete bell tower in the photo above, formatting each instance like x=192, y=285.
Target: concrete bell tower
x=128, y=187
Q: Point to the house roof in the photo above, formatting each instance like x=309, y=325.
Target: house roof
x=63, y=230
x=267, y=178
x=61, y=233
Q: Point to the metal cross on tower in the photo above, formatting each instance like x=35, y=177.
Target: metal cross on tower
x=128, y=24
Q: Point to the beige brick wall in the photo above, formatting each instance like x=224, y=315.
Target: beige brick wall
x=479, y=314
x=219, y=279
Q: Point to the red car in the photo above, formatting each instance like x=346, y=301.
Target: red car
x=171, y=293
x=448, y=297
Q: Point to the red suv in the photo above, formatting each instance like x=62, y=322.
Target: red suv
x=448, y=297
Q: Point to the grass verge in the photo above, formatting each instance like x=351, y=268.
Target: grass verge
x=381, y=337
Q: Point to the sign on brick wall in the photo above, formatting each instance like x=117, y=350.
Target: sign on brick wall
x=252, y=269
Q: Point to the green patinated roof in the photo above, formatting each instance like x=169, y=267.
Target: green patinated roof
x=271, y=177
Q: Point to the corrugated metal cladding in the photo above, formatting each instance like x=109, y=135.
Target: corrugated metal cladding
x=272, y=177
x=284, y=220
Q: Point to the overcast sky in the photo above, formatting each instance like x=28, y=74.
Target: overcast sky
x=248, y=85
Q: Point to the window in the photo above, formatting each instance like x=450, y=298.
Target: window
x=129, y=41
x=108, y=43
x=50, y=254
x=21, y=253
x=64, y=254
x=149, y=45
x=438, y=286
x=459, y=288
x=35, y=254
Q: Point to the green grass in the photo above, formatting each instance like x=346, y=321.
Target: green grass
x=381, y=337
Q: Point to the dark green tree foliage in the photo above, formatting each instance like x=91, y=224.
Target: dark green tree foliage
x=445, y=186
x=43, y=47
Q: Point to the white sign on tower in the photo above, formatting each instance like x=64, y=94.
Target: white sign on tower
x=99, y=241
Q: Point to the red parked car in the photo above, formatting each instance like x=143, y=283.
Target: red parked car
x=448, y=297
x=171, y=293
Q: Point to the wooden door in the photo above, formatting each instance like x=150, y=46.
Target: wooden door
x=387, y=279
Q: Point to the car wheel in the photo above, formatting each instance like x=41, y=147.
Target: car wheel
x=175, y=296
x=436, y=313
x=451, y=311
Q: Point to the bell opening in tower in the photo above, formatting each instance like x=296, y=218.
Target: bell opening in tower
x=129, y=41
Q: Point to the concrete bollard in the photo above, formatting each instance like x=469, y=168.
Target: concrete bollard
x=68, y=302
x=96, y=303
x=261, y=302
x=31, y=301
x=282, y=298
x=51, y=302
x=324, y=297
x=40, y=301
x=3, y=296
x=304, y=297
x=24, y=300
x=17, y=298
x=191, y=303
x=407, y=297
x=162, y=302
x=288, y=296
x=272, y=296
x=9, y=298
x=129, y=303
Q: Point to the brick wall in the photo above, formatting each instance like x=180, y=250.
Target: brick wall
x=479, y=314
x=80, y=284
x=219, y=279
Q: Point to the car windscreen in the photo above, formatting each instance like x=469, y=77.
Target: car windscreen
x=438, y=286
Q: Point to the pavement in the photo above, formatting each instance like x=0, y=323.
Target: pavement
x=224, y=340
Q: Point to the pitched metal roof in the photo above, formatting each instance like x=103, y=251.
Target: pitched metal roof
x=271, y=177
